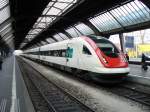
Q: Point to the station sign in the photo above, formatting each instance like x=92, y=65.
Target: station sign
x=129, y=41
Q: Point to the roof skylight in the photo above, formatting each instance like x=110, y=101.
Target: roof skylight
x=50, y=40
x=6, y=30
x=3, y=3
x=53, y=11
x=132, y=13
x=74, y=32
x=84, y=29
x=58, y=37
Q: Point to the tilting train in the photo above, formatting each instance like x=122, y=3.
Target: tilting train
x=90, y=56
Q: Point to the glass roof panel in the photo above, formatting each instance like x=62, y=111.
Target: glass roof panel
x=5, y=31
x=95, y=22
x=61, y=5
x=67, y=1
x=7, y=37
x=35, y=31
x=51, y=3
x=53, y=9
x=9, y=41
x=132, y=13
x=118, y=13
x=3, y=3
x=29, y=37
x=50, y=40
x=45, y=10
x=44, y=43
x=63, y=36
x=39, y=19
x=84, y=29
x=4, y=14
x=46, y=19
x=73, y=32
x=127, y=20
x=130, y=16
x=23, y=44
x=58, y=37
x=143, y=10
x=40, y=25
x=105, y=22
x=5, y=27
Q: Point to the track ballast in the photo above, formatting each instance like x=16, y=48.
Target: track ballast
x=48, y=97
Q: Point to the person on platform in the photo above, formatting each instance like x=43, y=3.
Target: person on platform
x=143, y=61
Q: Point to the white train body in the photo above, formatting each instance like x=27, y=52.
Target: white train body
x=83, y=53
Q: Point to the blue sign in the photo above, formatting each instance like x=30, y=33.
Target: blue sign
x=129, y=41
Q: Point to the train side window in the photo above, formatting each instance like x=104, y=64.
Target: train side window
x=49, y=53
x=63, y=53
x=86, y=50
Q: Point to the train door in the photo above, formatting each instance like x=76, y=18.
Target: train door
x=71, y=55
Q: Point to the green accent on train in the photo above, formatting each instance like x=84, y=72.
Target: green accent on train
x=69, y=53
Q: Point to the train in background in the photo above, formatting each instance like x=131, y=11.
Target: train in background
x=93, y=57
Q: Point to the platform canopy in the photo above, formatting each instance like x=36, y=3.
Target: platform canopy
x=32, y=23
x=6, y=30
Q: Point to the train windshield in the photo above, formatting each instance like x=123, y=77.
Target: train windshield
x=107, y=47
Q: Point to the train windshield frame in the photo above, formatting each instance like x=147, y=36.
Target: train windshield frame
x=106, y=46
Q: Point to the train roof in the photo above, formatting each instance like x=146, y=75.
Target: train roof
x=93, y=37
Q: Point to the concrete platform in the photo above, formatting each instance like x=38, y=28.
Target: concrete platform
x=138, y=75
x=138, y=71
x=13, y=93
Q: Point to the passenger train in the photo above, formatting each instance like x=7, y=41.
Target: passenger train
x=94, y=57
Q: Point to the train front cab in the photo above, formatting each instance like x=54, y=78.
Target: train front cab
x=114, y=65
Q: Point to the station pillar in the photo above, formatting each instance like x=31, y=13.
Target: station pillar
x=122, y=44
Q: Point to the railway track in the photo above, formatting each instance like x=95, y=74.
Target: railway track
x=133, y=92
x=39, y=102
x=129, y=90
x=48, y=97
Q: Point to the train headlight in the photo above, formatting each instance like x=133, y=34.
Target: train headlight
x=104, y=60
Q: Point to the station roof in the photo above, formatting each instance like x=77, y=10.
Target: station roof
x=34, y=23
